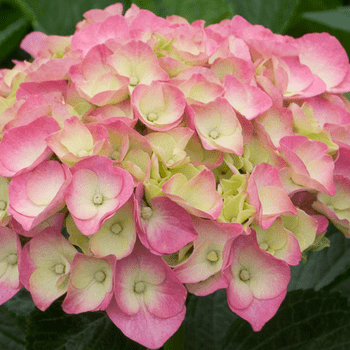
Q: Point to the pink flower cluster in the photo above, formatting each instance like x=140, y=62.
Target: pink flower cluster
x=180, y=158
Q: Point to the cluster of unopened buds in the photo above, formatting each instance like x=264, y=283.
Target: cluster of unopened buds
x=179, y=158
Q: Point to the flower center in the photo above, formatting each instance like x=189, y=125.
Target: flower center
x=264, y=246
x=98, y=199
x=146, y=213
x=139, y=287
x=133, y=81
x=115, y=155
x=214, y=134
x=244, y=275
x=12, y=259
x=174, y=159
x=3, y=205
x=271, y=251
x=152, y=117
x=83, y=153
x=100, y=276
x=213, y=256
x=116, y=228
x=60, y=269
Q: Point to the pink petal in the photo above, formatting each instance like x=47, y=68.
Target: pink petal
x=260, y=311
x=170, y=227
x=248, y=100
x=17, y=157
x=325, y=56
x=144, y=327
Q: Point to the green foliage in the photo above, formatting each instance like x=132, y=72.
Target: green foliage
x=12, y=328
x=337, y=18
x=207, y=321
x=13, y=26
x=324, y=266
x=192, y=10
x=59, y=17
x=56, y=330
x=272, y=14
x=306, y=320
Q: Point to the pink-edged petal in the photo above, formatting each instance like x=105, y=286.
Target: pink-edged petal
x=16, y=157
x=7, y=292
x=79, y=197
x=49, y=177
x=46, y=286
x=117, y=236
x=239, y=295
x=264, y=309
x=170, y=227
x=325, y=56
x=198, y=195
x=90, y=284
x=208, y=286
x=34, y=43
x=167, y=299
x=37, y=195
x=206, y=259
x=10, y=255
x=98, y=33
x=312, y=166
x=144, y=327
x=248, y=100
x=125, y=276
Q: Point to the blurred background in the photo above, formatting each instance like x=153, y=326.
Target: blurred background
x=59, y=17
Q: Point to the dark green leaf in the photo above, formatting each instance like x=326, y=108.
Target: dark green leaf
x=8, y=15
x=25, y=9
x=192, y=10
x=177, y=341
x=11, y=35
x=56, y=330
x=318, y=5
x=60, y=17
x=21, y=304
x=12, y=329
x=338, y=18
x=306, y=320
x=324, y=266
x=207, y=321
x=273, y=14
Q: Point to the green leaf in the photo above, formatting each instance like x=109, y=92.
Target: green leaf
x=8, y=15
x=56, y=330
x=273, y=14
x=177, y=341
x=21, y=304
x=207, y=321
x=324, y=266
x=8, y=33
x=306, y=320
x=60, y=17
x=192, y=10
x=13, y=26
x=337, y=18
x=12, y=329
x=318, y=5
x=13, y=320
